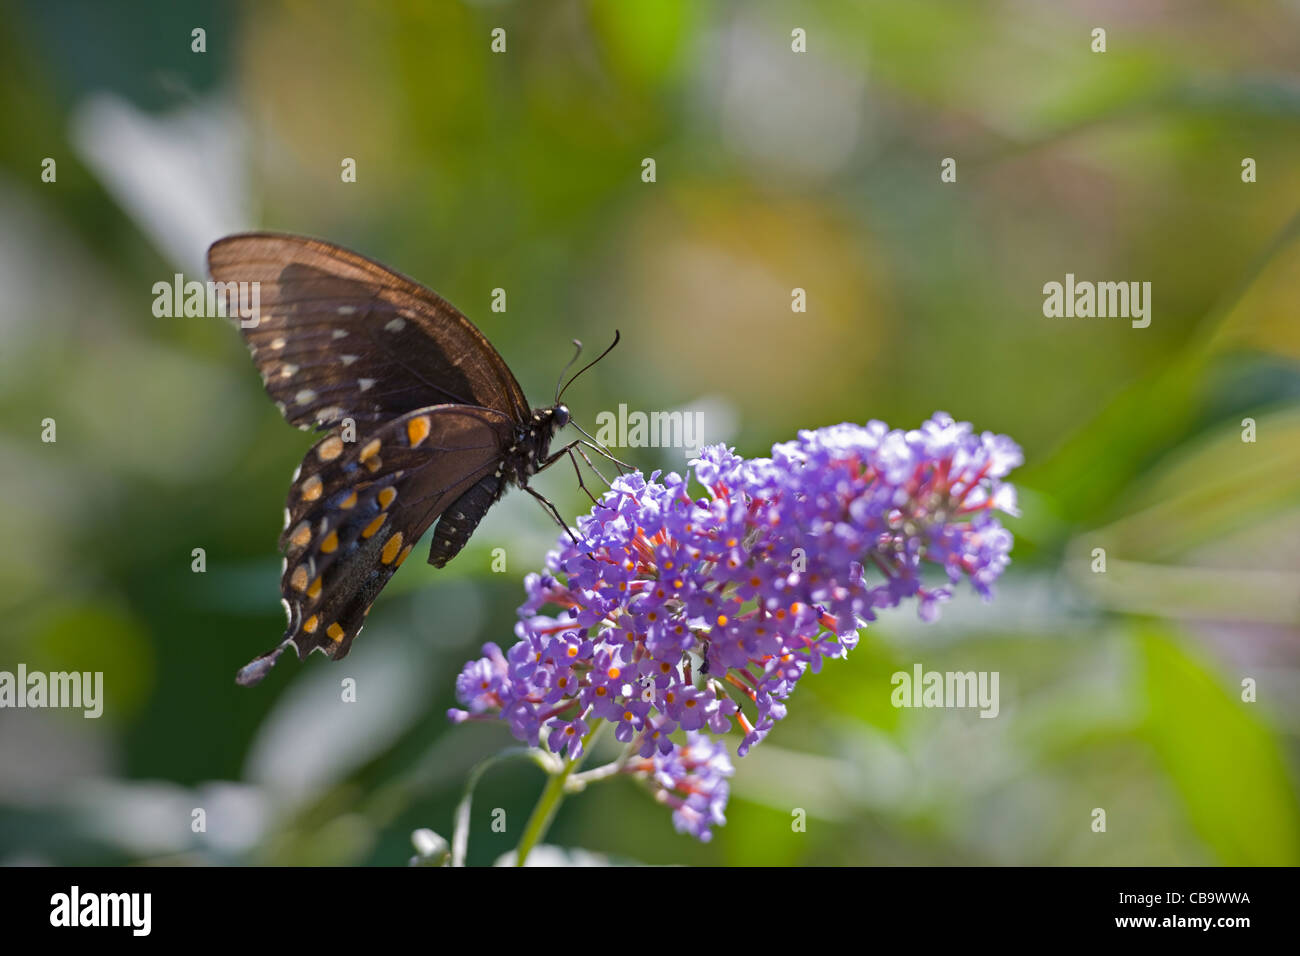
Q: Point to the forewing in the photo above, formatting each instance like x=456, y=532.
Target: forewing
x=356, y=510
x=340, y=336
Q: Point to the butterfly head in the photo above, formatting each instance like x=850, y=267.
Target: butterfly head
x=535, y=442
x=546, y=422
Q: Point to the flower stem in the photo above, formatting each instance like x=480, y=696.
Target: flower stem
x=549, y=802
x=578, y=781
x=460, y=832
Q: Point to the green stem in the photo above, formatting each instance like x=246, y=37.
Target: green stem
x=460, y=831
x=578, y=781
x=550, y=800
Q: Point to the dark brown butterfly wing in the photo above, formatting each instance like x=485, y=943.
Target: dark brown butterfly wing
x=341, y=336
x=356, y=510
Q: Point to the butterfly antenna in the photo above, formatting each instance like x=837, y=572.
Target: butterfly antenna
x=561, y=392
x=567, y=365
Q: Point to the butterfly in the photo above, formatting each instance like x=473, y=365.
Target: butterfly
x=423, y=422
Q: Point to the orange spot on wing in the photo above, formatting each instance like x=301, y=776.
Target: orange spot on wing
x=417, y=430
x=330, y=448
x=331, y=543
x=374, y=526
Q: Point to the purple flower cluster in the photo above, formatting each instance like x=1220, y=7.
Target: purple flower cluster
x=692, y=780
x=687, y=612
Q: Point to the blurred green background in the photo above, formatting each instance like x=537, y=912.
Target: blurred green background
x=775, y=170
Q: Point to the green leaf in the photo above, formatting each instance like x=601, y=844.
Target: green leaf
x=643, y=41
x=1222, y=757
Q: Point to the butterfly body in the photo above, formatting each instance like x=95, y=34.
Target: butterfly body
x=528, y=454
x=423, y=421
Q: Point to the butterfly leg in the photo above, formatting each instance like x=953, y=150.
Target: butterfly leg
x=594, y=468
x=554, y=513
x=578, y=471
x=605, y=452
x=601, y=450
x=569, y=450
